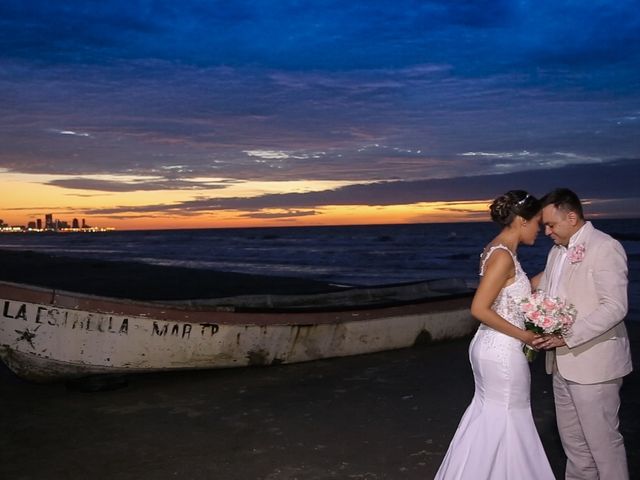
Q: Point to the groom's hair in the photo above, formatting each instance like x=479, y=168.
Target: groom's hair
x=565, y=200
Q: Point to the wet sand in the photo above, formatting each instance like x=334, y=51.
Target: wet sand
x=388, y=416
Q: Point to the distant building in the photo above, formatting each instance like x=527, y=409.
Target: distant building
x=48, y=222
x=31, y=225
x=75, y=223
x=39, y=223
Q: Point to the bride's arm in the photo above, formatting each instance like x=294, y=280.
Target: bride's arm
x=499, y=269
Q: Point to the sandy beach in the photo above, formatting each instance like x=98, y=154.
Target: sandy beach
x=389, y=415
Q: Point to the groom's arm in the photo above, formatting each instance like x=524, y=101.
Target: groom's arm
x=609, y=275
x=535, y=281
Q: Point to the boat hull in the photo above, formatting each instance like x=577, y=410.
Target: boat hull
x=47, y=335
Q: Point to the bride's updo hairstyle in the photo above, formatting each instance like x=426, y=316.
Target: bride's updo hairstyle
x=507, y=207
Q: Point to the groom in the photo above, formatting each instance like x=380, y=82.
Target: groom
x=587, y=268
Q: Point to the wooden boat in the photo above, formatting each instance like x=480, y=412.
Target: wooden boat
x=48, y=334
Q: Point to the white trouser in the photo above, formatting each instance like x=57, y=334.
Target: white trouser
x=588, y=423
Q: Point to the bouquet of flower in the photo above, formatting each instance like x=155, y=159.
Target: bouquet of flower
x=544, y=314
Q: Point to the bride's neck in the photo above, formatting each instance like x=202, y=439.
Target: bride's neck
x=509, y=238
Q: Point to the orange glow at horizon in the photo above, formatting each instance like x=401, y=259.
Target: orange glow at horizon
x=25, y=198
x=435, y=212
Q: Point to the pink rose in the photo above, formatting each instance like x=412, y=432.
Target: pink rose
x=547, y=322
x=576, y=255
x=528, y=307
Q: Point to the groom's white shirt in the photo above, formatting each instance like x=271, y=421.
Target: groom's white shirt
x=597, y=347
x=560, y=260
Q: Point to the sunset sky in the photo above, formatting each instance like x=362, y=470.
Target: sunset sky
x=194, y=114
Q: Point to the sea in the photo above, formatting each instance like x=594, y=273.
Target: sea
x=348, y=255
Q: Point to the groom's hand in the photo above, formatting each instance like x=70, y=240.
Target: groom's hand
x=547, y=342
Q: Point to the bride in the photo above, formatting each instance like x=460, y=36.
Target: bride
x=497, y=438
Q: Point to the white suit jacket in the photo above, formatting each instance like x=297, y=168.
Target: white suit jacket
x=597, y=345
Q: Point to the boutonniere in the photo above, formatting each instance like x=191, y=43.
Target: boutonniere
x=576, y=255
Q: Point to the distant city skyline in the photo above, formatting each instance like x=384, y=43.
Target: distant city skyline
x=50, y=223
x=323, y=112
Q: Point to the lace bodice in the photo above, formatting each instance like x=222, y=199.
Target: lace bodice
x=507, y=302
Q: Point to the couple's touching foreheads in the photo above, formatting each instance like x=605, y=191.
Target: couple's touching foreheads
x=573, y=310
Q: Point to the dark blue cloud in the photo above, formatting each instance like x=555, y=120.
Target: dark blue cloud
x=474, y=36
x=620, y=183
x=582, y=33
x=361, y=91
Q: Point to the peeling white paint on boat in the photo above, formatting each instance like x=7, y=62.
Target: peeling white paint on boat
x=50, y=335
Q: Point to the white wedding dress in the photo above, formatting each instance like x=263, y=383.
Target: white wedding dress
x=497, y=438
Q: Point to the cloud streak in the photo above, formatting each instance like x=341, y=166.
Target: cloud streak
x=133, y=186
x=620, y=184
